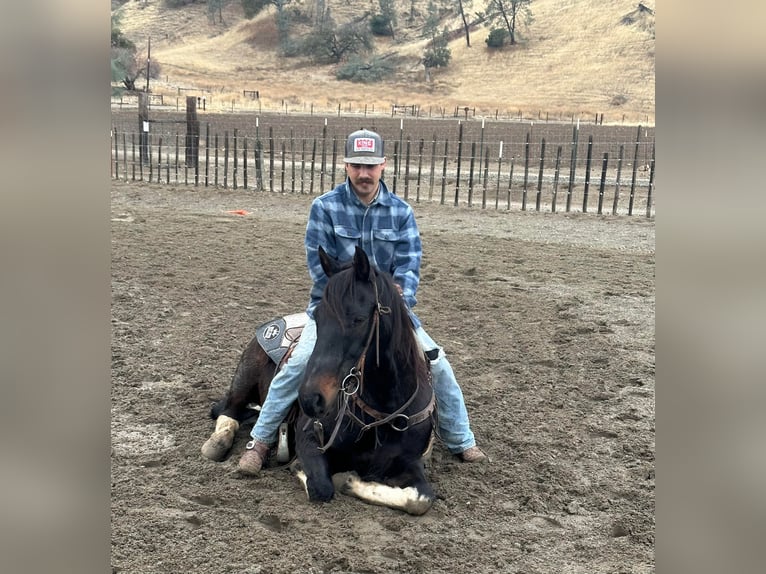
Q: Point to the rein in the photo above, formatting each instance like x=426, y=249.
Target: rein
x=353, y=382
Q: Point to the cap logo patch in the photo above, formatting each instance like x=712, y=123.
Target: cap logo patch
x=364, y=145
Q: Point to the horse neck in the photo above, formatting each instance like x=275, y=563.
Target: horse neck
x=384, y=384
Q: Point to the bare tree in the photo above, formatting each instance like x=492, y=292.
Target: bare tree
x=510, y=12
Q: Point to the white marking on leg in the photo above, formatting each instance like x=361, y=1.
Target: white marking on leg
x=407, y=499
x=304, y=479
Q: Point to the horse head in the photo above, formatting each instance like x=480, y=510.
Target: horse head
x=345, y=320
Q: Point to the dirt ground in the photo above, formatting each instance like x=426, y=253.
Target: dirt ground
x=548, y=320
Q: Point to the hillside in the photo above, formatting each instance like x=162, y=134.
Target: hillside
x=578, y=57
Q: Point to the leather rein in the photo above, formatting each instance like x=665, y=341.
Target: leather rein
x=353, y=383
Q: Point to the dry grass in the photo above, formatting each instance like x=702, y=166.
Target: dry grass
x=577, y=58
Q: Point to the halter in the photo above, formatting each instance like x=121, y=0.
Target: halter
x=353, y=382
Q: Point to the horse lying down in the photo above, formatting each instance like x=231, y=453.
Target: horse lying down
x=366, y=407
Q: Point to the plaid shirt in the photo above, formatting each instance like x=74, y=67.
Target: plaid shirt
x=385, y=229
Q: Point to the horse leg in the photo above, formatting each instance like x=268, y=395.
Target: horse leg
x=312, y=468
x=409, y=492
x=249, y=385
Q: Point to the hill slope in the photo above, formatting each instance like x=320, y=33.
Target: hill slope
x=578, y=57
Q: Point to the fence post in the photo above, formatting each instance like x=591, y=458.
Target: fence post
x=602, y=185
x=271, y=158
x=540, y=176
x=556, y=179
x=459, y=157
x=651, y=186
x=526, y=175
x=444, y=171
x=235, y=157
x=433, y=167
x=207, y=154
x=573, y=163
x=470, y=173
x=226, y=159
x=587, y=175
x=143, y=128
x=420, y=166
x=617, y=184
x=192, y=130
x=635, y=168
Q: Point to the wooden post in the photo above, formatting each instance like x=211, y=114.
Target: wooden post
x=324, y=157
x=215, y=161
x=143, y=128
x=334, y=159
x=556, y=179
x=407, y=171
x=282, y=171
x=235, y=157
x=133, y=156
x=313, y=164
x=617, y=183
x=271, y=158
x=192, y=132
x=303, y=163
x=587, y=175
x=573, y=163
x=470, y=174
x=510, y=183
x=116, y=156
x=244, y=162
x=292, y=162
x=159, y=160
x=459, y=157
x=650, y=191
x=207, y=154
x=124, y=157
x=604, y=164
x=484, y=180
x=635, y=168
x=420, y=167
x=396, y=154
x=226, y=159
x=176, y=162
x=540, y=176
x=444, y=171
x=433, y=167
x=526, y=175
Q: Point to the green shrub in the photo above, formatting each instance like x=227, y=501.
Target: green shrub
x=380, y=25
x=365, y=71
x=496, y=37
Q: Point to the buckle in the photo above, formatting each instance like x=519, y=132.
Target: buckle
x=250, y=445
x=406, y=420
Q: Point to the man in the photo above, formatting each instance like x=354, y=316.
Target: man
x=362, y=211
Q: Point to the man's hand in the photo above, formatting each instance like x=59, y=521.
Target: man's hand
x=399, y=288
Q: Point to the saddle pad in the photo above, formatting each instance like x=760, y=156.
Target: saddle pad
x=278, y=335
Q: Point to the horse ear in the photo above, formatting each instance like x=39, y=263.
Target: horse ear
x=362, y=265
x=329, y=264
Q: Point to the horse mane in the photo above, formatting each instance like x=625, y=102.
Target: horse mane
x=402, y=349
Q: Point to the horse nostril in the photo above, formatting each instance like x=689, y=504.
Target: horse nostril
x=314, y=405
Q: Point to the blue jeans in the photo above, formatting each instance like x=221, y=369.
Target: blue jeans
x=454, y=427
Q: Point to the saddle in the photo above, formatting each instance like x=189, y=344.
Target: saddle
x=279, y=336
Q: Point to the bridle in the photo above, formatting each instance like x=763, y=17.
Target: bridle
x=353, y=383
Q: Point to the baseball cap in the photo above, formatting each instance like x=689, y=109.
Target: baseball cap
x=364, y=146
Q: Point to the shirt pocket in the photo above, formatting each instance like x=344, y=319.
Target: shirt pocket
x=346, y=240
x=384, y=247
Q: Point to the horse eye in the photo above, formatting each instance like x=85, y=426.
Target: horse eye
x=359, y=320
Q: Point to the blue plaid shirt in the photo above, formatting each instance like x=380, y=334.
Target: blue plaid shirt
x=385, y=229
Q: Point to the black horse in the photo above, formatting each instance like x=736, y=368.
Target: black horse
x=366, y=400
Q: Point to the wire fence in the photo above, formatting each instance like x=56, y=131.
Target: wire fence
x=544, y=173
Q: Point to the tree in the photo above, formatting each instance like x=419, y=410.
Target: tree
x=130, y=66
x=252, y=8
x=461, y=7
x=388, y=13
x=510, y=12
x=329, y=44
x=215, y=7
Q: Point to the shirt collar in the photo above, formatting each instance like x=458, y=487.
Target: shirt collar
x=383, y=196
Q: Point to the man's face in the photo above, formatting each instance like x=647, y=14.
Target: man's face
x=365, y=179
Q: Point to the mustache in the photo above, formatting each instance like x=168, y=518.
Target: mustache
x=365, y=180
